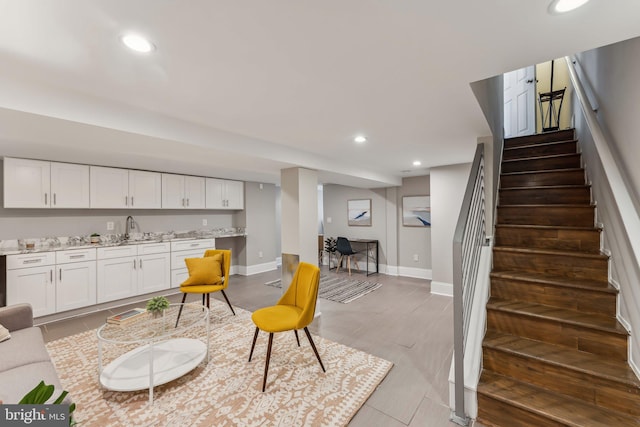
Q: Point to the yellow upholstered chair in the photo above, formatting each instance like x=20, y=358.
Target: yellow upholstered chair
x=206, y=275
x=294, y=310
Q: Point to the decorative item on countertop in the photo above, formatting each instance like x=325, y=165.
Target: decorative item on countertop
x=157, y=305
x=94, y=238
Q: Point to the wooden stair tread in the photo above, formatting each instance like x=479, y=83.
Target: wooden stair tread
x=571, y=317
x=533, y=172
x=547, y=157
x=560, y=408
x=540, y=144
x=548, y=227
x=552, y=252
x=567, y=206
x=566, y=358
x=547, y=187
x=590, y=285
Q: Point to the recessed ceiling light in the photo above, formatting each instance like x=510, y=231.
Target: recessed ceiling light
x=137, y=43
x=360, y=139
x=417, y=163
x=562, y=6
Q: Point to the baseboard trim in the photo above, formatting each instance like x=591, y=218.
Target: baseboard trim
x=442, y=288
x=257, y=268
x=418, y=273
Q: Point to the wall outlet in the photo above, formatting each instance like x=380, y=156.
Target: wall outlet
x=110, y=225
x=415, y=257
x=328, y=220
x=204, y=222
x=260, y=254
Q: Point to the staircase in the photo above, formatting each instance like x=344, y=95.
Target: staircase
x=554, y=353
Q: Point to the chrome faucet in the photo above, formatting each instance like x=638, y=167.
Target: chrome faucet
x=129, y=225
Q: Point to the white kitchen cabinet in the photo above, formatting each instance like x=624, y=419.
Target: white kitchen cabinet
x=30, y=279
x=224, y=194
x=145, y=189
x=69, y=185
x=27, y=183
x=75, y=278
x=42, y=184
x=183, y=192
x=129, y=270
x=116, y=279
x=109, y=187
x=153, y=273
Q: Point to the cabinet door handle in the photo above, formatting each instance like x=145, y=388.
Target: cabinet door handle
x=187, y=202
x=55, y=202
x=141, y=263
x=126, y=201
x=46, y=199
x=31, y=261
x=51, y=276
x=61, y=275
x=134, y=264
x=193, y=245
x=131, y=200
x=76, y=256
x=183, y=202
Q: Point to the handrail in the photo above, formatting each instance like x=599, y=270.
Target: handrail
x=620, y=192
x=469, y=237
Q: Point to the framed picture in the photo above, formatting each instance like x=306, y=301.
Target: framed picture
x=416, y=211
x=359, y=212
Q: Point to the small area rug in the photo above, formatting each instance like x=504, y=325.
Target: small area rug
x=339, y=288
x=227, y=390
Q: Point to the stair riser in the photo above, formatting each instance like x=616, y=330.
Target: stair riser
x=568, y=177
x=589, y=388
x=584, y=300
x=493, y=412
x=579, y=216
x=555, y=332
x=564, y=265
x=545, y=196
x=563, y=135
x=561, y=239
x=563, y=162
x=566, y=147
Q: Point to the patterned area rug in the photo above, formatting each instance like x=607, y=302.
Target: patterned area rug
x=339, y=288
x=227, y=390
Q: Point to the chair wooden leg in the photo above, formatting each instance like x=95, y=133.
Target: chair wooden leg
x=315, y=350
x=349, y=264
x=253, y=345
x=339, y=263
x=355, y=261
x=266, y=363
x=184, y=297
x=227, y=300
x=295, y=331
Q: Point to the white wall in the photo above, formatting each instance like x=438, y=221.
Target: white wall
x=413, y=241
x=612, y=71
x=260, y=220
x=448, y=184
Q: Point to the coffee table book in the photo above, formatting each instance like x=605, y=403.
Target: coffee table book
x=126, y=317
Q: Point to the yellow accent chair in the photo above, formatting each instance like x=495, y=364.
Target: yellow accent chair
x=294, y=310
x=206, y=275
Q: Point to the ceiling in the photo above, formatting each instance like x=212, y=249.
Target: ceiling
x=242, y=89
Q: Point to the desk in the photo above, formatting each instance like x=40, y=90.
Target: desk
x=369, y=247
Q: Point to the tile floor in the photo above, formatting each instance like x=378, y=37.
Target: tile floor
x=401, y=322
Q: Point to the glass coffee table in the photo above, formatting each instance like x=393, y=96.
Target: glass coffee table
x=161, y=353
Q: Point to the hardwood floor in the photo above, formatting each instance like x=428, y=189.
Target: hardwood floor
x=401, y=322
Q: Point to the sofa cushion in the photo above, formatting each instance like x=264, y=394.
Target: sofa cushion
x=16, y=382
x=25, y=346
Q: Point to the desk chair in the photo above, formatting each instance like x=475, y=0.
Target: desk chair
x=206, y=275
x=344, y=247
x=294, y=310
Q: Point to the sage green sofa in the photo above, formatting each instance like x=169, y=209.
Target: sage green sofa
x=24, y=360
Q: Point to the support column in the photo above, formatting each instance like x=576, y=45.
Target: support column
x=299, y=219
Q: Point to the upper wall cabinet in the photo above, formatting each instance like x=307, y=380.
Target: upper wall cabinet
x=224, y=194
x=183, y=192
x=42, y=184
x=113, y=188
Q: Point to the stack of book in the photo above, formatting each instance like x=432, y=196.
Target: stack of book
x=126, y=317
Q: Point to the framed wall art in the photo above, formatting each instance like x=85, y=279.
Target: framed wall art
x=359, y=212
x=416, y=211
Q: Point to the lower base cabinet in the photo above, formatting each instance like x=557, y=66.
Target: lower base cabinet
x=75, y=285
x=33, y=285
x=116, y=278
